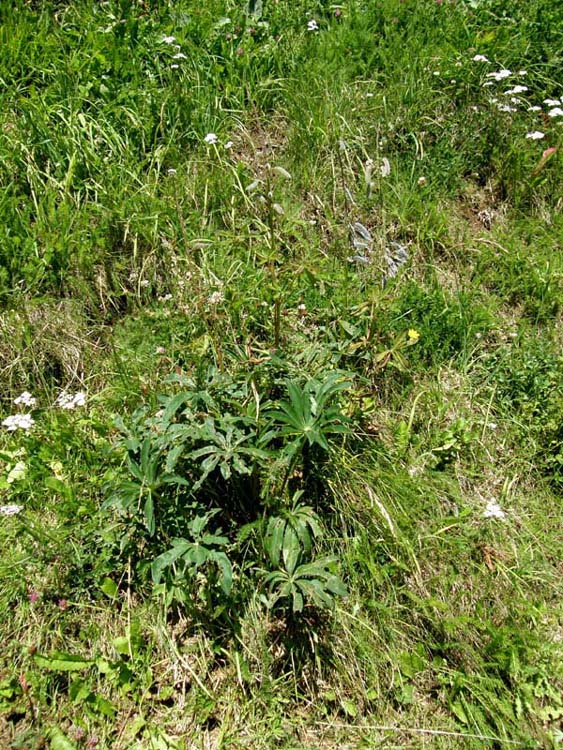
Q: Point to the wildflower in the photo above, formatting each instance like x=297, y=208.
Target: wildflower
x=481, y=58
x=216, y=298
x=552, y=102
x=179, y=56
x=228, y=145
x=493, y=510
x=18, y=422
x=10, y=510
x=302, y=309
x=506, y=108
x=62, y=604
x=168, y=39
x=535, y=108
x=175, y=66
x=535, y=135
x=555, y=112
x=413, y=335
x=171, y=171
x=522, y=72
x=25, y=399
x=312, y=25
x=66, y=401
x=211, y=138
x=516, y=90
x=33, y=596
x=499, y=75
x=421, y=181
x=385, y=167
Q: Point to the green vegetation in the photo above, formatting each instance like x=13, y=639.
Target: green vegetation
x=281, y=384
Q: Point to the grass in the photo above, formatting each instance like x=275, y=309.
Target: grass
x=309, y=282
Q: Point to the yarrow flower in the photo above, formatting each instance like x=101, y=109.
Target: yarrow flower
x=312, y=25
x=179, y=56
x=493, y=510
x=555, y=112
x=18, y=422
x=385, y=167
x=552, y=102
x=535, y=135
x=25, y=399
x=517, y=90
x=10, y=510
x=211, y=138
x=481, y=58
x=67, y=401
x=168, y=39
x=216, y=298
x=499, y=75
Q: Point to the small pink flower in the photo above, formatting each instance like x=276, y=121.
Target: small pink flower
x=33, y=596
x=62, y=604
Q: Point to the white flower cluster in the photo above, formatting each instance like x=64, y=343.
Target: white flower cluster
x=67, y=401
x=312, y=25
x=18, y=422
x=25, y=399
x=215, y=298
x=10, y=510
x=213, y=140
x=493, y=510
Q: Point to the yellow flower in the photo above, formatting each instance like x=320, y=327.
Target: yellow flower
x=413, y=335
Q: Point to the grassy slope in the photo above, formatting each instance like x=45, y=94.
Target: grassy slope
x=119, y=224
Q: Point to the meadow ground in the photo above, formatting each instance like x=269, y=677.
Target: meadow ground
x=281, y=378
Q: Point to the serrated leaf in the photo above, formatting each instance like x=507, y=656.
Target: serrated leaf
x=59, y=661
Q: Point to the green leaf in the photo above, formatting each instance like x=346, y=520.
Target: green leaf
x=149, y=514
x=109, y=588
x=59, y=661
x=179, y=548
x=59, y=740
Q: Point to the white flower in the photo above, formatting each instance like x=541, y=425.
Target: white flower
x=211, y=138
x=174, y=66
x=67, y=401
x=171, y=170
x=552, y=102
x=228, y=145
x=499, y=75
x=522, y=72
x=18, y=422
x=481, y=58
x=493, y=510
x=535, y=108
x=556, y=112
x=26, y=399
x=506, y=108
x=10, y=510
x=535, y=135
x=168, y=39
x=385, y=167
x=216, y=298
x=517, y=90
x=179, y=56
x=421, y=181
x=312, y=25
